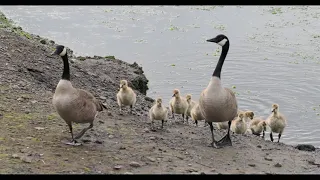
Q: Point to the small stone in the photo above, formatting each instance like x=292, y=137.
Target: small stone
x=194, y=173
x=117, y=167
x=109, y=114
x=39, y=128
x=128, y=173
x=146, y=130
x=20, y=99
x=26, y=159
x=103, y=98
x=86, y=140
x=252, y=165
x=267, y=159
x=98, y=141
x=122, y=148
x=202, y=173
x=42, y=41
x=213, y=170
x=278, y=165
x=151, y=159
x=259, y=146
x=152, y=138
x=134, y=164
x=305, y=147
x=111, y=136
x=34, y=101
x=189, y=164
x=59, y=155
x=15, y=156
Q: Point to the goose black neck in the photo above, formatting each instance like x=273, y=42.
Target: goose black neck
x=217, y=71
x=66, y=68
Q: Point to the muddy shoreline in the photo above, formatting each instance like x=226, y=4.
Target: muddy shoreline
x=32, y=133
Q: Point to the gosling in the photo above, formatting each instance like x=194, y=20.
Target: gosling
x=276, y=121
x=178, y=104
x=126, y=96
x=238, y=125
x=196, y=115
x=224, y=125
x=257, y=126
x=158, y=112
x=191, y=104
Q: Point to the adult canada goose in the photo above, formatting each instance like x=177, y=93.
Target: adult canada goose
x=72, y=104
x=126, y=96
x=158, y=112
x=178, y=104
x=191, y=104
x=219, y=104
x=276, y=121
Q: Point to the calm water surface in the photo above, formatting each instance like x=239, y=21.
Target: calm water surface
x=273, y=57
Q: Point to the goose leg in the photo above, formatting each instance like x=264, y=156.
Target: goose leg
x=271, y=137
x=187, y=117
x=196, y=121
x=211, y=129
x=73, y=142
x=262, y=134
x=131, y=109
x=225, y=141
x=83, y=131
x=279, y=136
x=162, y=121
x=182, y=117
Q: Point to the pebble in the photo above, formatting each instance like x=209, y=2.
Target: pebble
x=98, y=141
x=151, y=159
x=122, y=148
x=128, y=173
x=146, y=130
x=134, y=164
x=252, y=165
x=267, y=159
x=34, y=101
x=117, y=167
x=152, y=138
x=15, y=156
x=26, y=159
x=305, y=147
x=278, y=165
x=111, y=136
x=259, y=146
x=103, y=98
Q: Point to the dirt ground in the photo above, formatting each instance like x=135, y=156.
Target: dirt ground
x=31, y=132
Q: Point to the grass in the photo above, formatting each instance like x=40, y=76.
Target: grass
x=7, y=23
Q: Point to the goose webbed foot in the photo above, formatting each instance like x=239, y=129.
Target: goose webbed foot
x=73, y=142
x=225, y=141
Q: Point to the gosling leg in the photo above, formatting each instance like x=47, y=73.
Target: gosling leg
x=271, y=137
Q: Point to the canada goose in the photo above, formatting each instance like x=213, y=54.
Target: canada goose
x=239, y=125
x=276, y=121
x=219, y=104
x=257, y=126
x=158, y=112
x=196, y=114
x=126, y=96
x=191, y=104
x=178, y=104
x=72, y=104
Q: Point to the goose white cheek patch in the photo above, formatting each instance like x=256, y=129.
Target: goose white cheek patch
x=222, y=42
x=64, y=51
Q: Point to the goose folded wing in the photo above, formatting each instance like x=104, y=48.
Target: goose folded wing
x=88, y=96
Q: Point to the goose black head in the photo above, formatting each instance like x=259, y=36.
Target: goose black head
x=219, y=39
x=60, y=50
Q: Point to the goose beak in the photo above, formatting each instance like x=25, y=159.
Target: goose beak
x=54, y=53
x=212, y=40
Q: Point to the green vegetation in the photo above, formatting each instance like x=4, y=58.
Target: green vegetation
x=7, y=23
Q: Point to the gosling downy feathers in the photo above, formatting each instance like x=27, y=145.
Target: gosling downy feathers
x=219, y=104
x=257, y=126
x=158, y=112
x=225, y=125
x=196, y=114
x=191, y=104
x=276, y=121
x=239, y=125
x=178, y=104
x=126, y=96
x=72, y=104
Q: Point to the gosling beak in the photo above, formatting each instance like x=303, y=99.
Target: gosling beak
x=272, y=110
x=121, y=86
x=173, y=95
x=212, y=40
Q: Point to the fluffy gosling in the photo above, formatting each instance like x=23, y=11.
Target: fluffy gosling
x=238, y=125
x=178, y=104
x=257, y=126
x=224, y=125
x=126, y=96
x=276, y=121
x=158, y=112
x=191, y=104
x=196, y=115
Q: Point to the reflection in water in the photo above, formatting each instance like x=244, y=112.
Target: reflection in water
x=272, y=58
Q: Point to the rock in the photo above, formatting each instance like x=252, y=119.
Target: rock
x=111, y=136
x=42, y=41
x=128, y=173
x=189, y=164
x=34, y=101
x=117, y=167
x=305, y=147
x=20, y=99
x=26, y=159
x=149, y=99
x=267, y=159
x=152, y=138
x=15, y=156
x=252, y=165
x=39, y=128
x=259, y=146
x=146, y=130
x=278, y=165
x=86, y=140
x=98, y=142
x=194, y=173
x=103, y=98
x=151, y=159
x=109, y=114
x=134, y=164
x=122, y=148
x=191, y=170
